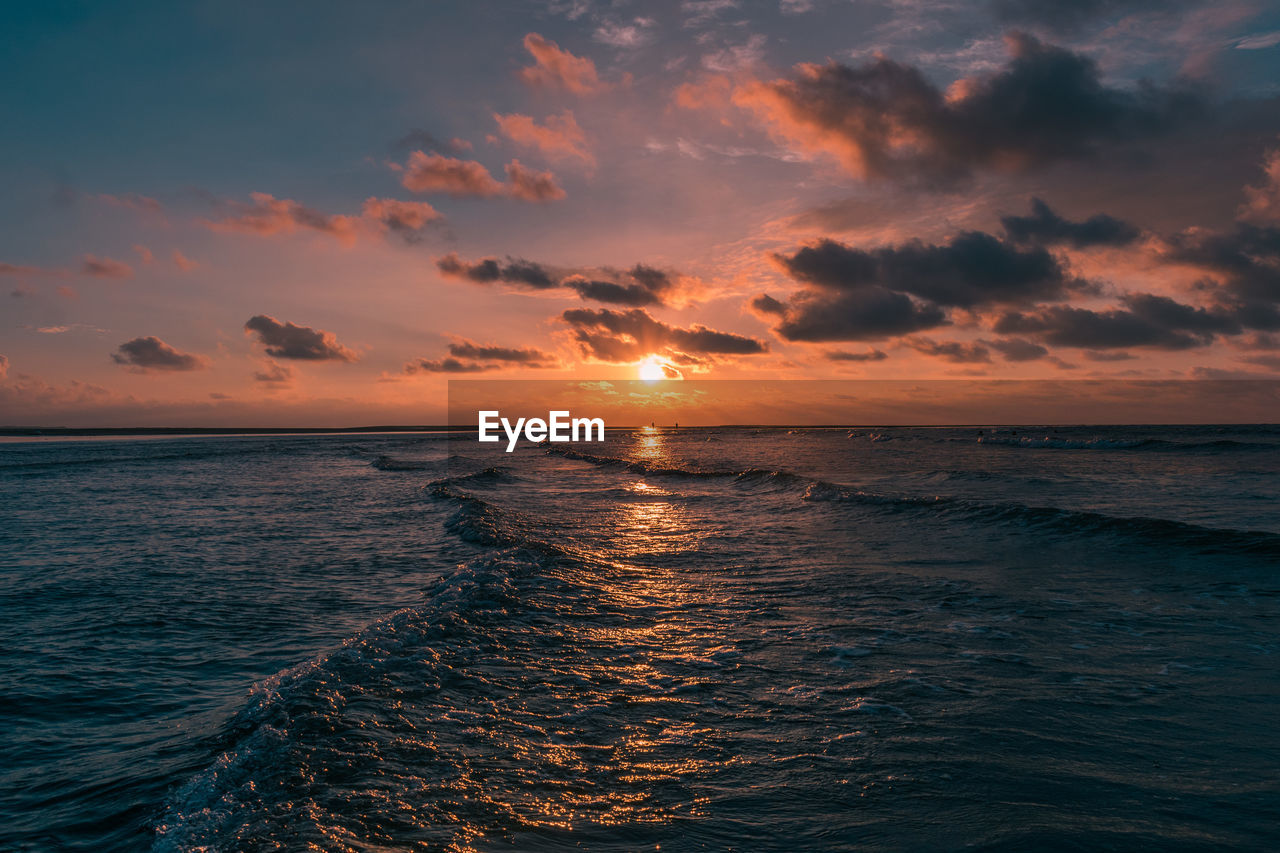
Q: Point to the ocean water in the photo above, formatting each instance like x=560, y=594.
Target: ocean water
x=733, y=639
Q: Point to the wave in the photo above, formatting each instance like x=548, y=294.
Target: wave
x=1207, y=540
x=390, y=463
x=1050, y=442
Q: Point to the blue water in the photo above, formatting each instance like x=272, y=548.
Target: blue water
x=772, y=640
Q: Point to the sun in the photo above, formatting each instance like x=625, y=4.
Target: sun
x=651, y=369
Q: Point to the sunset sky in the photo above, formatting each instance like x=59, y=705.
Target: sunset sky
x=314, y=213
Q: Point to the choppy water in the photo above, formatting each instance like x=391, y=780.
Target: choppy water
x=747, y=640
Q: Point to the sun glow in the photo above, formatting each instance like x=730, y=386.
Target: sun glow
x=651, y=369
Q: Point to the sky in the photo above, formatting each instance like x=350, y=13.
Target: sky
x=314, y=213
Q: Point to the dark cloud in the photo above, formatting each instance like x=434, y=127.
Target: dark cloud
x=640, y=286
x=487, y=270
x=1045, y=227
x=469, y=357
x=447, y=365
x=626, y=336
x=867, y=314
x=953, y=351
x=151, y=353
x=871, y=294
x=286, y=340
x=972, y=269
x=1017, y=349
x=841, y=355
x=508, y=355
x=1245, y=260
x=610, y=292
x=1095, y=355
x=1146, y=321
x=887, y=120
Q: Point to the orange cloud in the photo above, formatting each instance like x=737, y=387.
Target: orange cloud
x=406, y=218
x=105, y=267
x=427, y=173
x=559, y=137
x=1262, y=203
x=434, y=173
x=559, y=69
x=269, y=216
x=528, y=185
x=183, y=263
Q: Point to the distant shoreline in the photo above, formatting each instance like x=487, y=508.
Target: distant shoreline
x=73, y=432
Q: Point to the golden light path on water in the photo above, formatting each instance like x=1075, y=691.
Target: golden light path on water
x=636, y=714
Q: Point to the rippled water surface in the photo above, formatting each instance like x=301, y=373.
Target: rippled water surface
x=757, y=640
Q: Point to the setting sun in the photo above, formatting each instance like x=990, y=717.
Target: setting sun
x=651, y=370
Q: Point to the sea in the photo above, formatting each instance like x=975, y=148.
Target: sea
x=733, y=639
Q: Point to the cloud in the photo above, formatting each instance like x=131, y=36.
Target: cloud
x=737, y=57
x=626, y=336
x=1017, y=349
x=528, y=185
x=627, y=36
x=1044, y=227
x=559, y=137
x=866, y=314
x=4, y=366
x=842, y=355
x=700, y=12
x=286, y=340
x=854, y=294
x=469, y=357
x=507, y=355
x=448, y=365
x=1057, y=15
x=183, y=263
x=488, y=270
x=1245, y=261
x=1260, y=41
x=555, y=68
x=886, y=120
x=18, y=269
x=133, y=201
x=971, y=269
x=1262, y=202
x=640, y=286
x=432, y=173
x=273, y=373
x=417, y=138
x=1147, y=320
x=405, y=218
x=953, y=351
x=105, y=267
x=268, y=216
x=151, y=353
